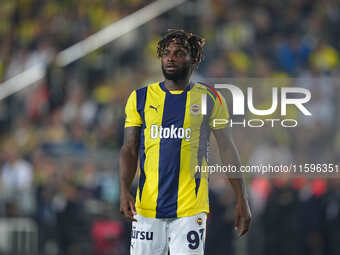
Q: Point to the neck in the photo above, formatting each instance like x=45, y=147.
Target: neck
x=176, y=85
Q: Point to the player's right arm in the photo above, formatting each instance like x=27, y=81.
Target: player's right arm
x=128, y=157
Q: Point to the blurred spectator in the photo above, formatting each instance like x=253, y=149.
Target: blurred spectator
x=16, y=180
x=293, y=53
x=220, y=222
x=314, y=220
x=281, y=226
x=325, y=57
x=73, y=223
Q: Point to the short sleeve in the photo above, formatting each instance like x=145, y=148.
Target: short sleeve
x=220, y=114
x=133, y=118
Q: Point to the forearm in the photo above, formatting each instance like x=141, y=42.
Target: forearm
x=238, y=187
x=127, y=167
x=237, y=183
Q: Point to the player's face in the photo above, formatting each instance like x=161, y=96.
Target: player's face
x=176, y=62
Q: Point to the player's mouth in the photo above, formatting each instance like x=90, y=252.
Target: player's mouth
x=171, y=68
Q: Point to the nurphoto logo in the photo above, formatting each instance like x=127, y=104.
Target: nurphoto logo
x=239, y=105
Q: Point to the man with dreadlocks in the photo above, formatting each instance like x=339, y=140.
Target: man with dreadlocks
x=164, y=125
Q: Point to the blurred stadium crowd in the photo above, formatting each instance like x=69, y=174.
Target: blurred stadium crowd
x=60, y=137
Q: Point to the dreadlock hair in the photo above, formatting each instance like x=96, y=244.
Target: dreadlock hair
x=193, y=43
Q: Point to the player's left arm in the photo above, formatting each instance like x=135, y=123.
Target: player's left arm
x=230, y=155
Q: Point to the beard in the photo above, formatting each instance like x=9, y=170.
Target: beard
x=179, y=74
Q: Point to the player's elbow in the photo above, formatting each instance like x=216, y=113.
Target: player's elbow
x=128, y=153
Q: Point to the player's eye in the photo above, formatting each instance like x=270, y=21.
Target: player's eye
x=165, y=53
x=180, y=54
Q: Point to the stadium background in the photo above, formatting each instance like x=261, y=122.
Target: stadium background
x=60, y=137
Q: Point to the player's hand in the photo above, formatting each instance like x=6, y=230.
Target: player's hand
x=242, y=217
x=127, y=205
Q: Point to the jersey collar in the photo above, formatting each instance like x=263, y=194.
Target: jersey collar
x=161, y=84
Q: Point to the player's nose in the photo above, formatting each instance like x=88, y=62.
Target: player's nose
x=171, y=58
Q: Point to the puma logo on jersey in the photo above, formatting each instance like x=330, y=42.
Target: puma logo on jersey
x=153, y=107
x=142, y=235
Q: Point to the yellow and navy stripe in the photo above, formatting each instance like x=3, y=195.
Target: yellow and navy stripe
x=170, y=155
x=141, y=98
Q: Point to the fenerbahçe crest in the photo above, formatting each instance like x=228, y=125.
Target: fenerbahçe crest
x=195, y=109
x=199, y=221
